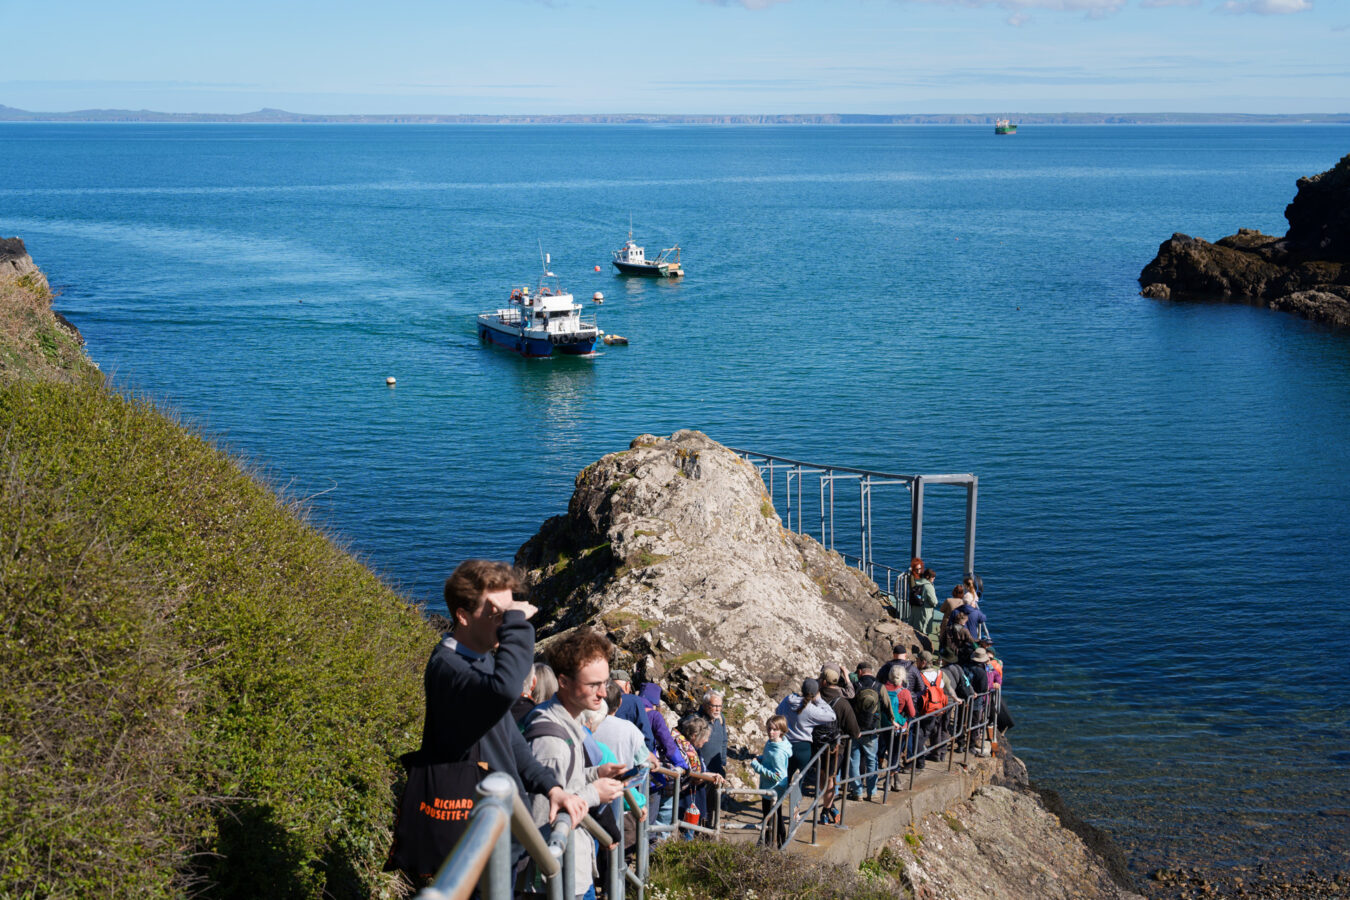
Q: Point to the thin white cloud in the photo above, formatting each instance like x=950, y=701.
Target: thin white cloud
x=1159, y=4
x=1266, y=7
x=1096, y=9
x=1018, y=19
x=748, y=4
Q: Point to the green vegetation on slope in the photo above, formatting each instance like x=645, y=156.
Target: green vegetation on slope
x=33, y=343
x=202, y=694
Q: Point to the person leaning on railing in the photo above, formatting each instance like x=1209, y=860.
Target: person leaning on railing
x=558, y=740
x=471, y=680
x=691, y=735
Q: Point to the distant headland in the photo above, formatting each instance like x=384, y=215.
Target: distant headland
x=281, y=116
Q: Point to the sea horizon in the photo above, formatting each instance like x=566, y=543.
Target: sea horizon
x=268, y=115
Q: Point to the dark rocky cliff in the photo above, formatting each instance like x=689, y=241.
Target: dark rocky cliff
x=1306, y=272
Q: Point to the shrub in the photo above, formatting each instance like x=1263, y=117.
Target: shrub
x=213, y=692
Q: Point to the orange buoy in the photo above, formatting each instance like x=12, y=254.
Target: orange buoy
x=597, y=268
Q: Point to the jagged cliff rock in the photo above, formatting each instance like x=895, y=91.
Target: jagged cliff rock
x=1005, y=844
x=1319, y=217
x=673, y=548
x=35, y=340
x=1306, y=272
x=16, y=264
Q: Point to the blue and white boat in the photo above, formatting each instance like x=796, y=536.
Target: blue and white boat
x=540, y=323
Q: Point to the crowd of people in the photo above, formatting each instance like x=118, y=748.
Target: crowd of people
x=576, y=736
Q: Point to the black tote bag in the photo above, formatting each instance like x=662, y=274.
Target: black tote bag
x=434, y=811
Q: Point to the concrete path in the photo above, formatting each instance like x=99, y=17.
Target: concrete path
x=868, y=826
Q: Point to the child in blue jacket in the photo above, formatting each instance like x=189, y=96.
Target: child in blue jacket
x=772, y=767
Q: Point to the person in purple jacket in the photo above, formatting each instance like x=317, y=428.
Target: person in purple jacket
x=667, y=749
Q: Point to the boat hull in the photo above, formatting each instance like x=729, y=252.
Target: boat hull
x=532, y=347
x=647, y=271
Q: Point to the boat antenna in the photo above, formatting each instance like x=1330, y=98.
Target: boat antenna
x=630, y=226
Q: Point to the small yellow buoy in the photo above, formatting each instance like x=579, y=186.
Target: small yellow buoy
x=391, y=381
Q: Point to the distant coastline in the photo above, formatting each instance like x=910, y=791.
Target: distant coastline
x=281, y=116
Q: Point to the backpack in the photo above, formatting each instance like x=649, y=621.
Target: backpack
x=826, y=734
x=867, y=707
x=934, y=697
x=538, y=727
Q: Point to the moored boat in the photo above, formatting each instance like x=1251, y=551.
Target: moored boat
x=1004, y=126
x=630, y=259
x=540, y=323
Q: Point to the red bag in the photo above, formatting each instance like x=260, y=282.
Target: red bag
x=934, y=696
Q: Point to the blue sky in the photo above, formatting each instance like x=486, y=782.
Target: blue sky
x=679, y=56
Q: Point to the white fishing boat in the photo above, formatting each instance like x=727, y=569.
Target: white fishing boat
x=630, y=259
x=539, y=323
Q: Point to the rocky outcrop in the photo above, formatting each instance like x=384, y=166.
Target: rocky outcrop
x=36, y=341
x=1306, y=272
x=674, y=548
x=16, y=264
x=1004, y=842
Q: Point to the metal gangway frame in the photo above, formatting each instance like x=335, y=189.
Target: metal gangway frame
x=790, y=473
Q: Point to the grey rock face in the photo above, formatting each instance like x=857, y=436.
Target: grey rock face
x=1005, y=843
x=16, y=263
x=675, y=550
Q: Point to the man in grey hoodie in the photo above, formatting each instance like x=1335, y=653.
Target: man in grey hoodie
x=559, y=741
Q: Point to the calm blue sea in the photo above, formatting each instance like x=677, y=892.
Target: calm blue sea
x=1164, y=507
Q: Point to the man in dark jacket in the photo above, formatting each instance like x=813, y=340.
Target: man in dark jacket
x=833, y=695
x=903, y=657
x=713, y=754
x=631, y=708
x=475, y=674
x=958, y=688
x=871, y=710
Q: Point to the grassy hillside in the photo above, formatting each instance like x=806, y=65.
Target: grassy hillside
x=202, y=693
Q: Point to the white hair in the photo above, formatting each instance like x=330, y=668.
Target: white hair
x=709, y=694
x=592, y=718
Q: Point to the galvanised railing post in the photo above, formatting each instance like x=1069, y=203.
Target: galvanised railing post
x=569, y=863
x=498, y=789
x=644, y=833
x=615, y=889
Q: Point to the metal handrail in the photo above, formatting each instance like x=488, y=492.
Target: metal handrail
x=481, y=859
